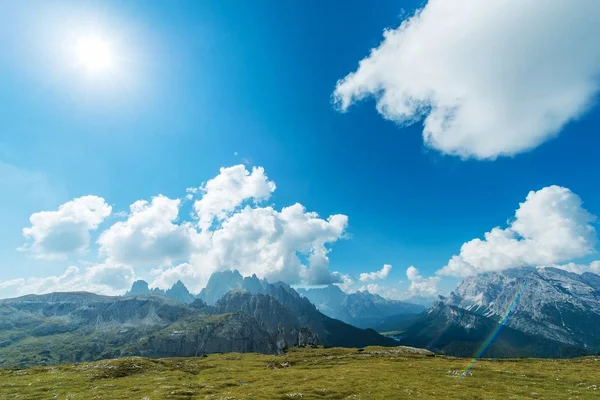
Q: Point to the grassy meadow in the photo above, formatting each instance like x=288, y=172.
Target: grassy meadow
x=306, y=373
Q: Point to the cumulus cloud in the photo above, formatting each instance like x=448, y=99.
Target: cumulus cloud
x=489, y=78
x=183, y=272
x=56, y=234
x=228, y=190
x=102, y=278
x=289, y=245
x=389, y=290
x=373, y=288
x=419, y=285
x=344, y=281
x=150, y=235
x=549, y=227
x=372, y=276
x=593, y=267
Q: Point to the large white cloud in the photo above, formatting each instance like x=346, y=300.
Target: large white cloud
x=419, y=285
x=491, y=78
x=549, y=227
x=372, y=276
x=289, y=245
x=56, y=234
x=102, y=278
x=150, y=236
x=228, y=190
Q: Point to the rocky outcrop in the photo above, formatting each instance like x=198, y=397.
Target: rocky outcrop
x=282, y=322
x=306, y=337
x=232, y=333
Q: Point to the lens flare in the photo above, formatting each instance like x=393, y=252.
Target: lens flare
x=492, y=336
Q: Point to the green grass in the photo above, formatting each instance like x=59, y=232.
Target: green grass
x=375, y=373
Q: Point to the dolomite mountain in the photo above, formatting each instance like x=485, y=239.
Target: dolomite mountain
x=557, y=314
x=361, y=309
x=72, y=327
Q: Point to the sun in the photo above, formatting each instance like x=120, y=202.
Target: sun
x=94, y=54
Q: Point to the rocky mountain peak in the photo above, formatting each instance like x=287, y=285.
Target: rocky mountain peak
x=138, y=287
x=553, y=303
x=180, y=293
x=220, y=283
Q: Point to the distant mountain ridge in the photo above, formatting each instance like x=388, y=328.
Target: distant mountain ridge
x=178, y=291
x=223, y=282
x=70, y=327
x=330, y=331
x=361, y=309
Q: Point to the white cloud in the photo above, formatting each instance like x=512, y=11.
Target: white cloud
x=344, y=281
x=490, y=78
x=102, y=278
x=183, y=272
x=8, y=288
x=289, y=245
x=593, y=267
x=388, y=291
x=549, y=227
x=419, y=285
x=150, y=235
x=228, y=190
x=371, y=288
x=56, y=234
x=372, y=276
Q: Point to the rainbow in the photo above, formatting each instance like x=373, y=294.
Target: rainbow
x=440, y=333
x=494, y=333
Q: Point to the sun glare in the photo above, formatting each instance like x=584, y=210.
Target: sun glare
x=94, y=54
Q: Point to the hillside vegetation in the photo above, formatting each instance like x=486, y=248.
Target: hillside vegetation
x=306, y=373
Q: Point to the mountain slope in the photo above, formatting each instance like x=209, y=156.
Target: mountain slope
x=69, y=327
x=555, y=304
x=361, y=309
x=462, y=333
x=330, y=332
x=547, y=312
x=72, y=327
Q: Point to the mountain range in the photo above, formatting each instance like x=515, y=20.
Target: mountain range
x=540, y=312
x=361, y=309
x=526, y=312
x=72, y=327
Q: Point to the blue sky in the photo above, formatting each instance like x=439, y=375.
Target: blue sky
x=202, y=85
